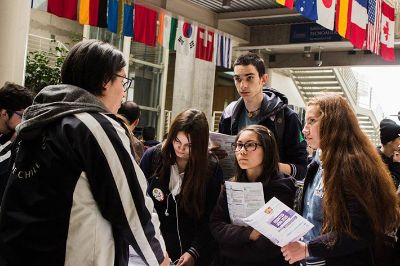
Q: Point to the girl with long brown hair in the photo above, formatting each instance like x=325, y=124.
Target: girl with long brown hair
x=257, y=158
x=349, y=194
x=184, y=183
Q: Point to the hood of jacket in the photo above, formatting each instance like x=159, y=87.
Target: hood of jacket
x=53, y=103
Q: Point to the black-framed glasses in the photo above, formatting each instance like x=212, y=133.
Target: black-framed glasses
x=126, y=82
x=248, y=146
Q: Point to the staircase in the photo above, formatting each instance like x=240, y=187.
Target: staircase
x=312, y=82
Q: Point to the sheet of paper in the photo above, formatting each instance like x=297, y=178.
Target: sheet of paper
x=225, y=143
x=243, y=200
x=279, y=223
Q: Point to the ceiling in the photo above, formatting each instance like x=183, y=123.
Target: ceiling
x=254, y=13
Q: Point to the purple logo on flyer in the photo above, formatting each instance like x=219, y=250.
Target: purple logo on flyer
x=281, y=218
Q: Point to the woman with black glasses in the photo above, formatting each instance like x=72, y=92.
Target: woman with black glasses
x=257, y=158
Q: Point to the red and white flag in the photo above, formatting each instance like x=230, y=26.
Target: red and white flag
x=359, y=21
x=205, y=44
x=374, y=25
x=387, y=32
x=326, y=13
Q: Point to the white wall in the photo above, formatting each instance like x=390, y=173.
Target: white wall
x=286, y=86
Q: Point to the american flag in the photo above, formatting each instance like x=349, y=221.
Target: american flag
x=374, y=25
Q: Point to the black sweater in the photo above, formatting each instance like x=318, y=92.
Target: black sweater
x=235, y=246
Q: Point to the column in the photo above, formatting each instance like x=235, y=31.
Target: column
x=14, y=30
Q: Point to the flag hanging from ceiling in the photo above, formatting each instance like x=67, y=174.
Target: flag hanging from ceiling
x=308, y=8
x=112, y=20
x=94, y=12
x=102, y=14
x=343, y=18
x=120, y=20
x=145, y=25
x=359, y=20
x=374, y=25
x=287, y=3
x=161, y=28
x=223, y=50
x=387, y=32
x=63, y=8
x=205, y=44
x=172, y=35
x=186, y=33
x=84, y=12
x=326, y=13
x=128, y=19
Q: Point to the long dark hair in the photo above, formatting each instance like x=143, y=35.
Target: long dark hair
x=194, y=124
x=271, y=154
x=352, y=167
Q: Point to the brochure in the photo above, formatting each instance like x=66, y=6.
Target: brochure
x=243, y=200
x=279, y=223
x=224, y=142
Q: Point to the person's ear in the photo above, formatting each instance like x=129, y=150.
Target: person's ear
x=264, y=79
x=3, y=113
x=136, y=122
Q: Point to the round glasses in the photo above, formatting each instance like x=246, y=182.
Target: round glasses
x=248, y=146
x=126, y=82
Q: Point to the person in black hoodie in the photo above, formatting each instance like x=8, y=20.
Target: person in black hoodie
x=184, y=183
x=257, y=160
x=268, y=109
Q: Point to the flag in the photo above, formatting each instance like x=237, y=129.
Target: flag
x=84, y=12
x=359, y=20
x=102, y=14
x=326, y=13
x=120, y=19
x=112, y=15
x=128, y=19
x=172, y=35
x=161, y=28
x=63, y=8
x=185, y=42
x=223, y=48
x=93, y=12
x=374, y=25
x=308, y=8
x=387, y=32
x=145, y=25
x=343, y=18
x=287, y=3
x=204, y=44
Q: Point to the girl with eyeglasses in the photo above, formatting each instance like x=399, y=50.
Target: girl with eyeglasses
x=257, y=159
x=184, y=183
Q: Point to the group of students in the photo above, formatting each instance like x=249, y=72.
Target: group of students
x=76, y=195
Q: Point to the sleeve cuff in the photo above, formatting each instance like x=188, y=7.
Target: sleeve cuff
x=195, y=254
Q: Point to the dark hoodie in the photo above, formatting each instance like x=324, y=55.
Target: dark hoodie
x=292, y=147
x=75, y=196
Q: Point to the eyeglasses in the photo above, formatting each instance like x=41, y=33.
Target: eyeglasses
x=248, y=146
x=126, y=82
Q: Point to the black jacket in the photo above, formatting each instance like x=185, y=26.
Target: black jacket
x=75, y=194
x=292, y=149
x=394, y=167
x=235, y=246
x=346, y=251
x=194, y=233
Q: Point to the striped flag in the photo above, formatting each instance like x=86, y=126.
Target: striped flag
x=387, y=32
x=223, y=50
x=343, y=18
x=374, y=25
x=172, y=35
x=359, y=20
x=287, y=3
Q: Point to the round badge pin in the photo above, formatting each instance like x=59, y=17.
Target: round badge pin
x=158, y=194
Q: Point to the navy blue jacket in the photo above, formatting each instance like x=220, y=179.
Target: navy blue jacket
x=292, y=150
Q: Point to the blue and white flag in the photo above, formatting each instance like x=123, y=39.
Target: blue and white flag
x=308, y=8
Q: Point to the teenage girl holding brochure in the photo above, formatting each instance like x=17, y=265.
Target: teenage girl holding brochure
x=256, y=161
